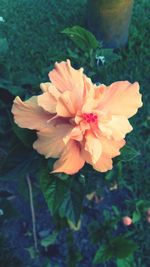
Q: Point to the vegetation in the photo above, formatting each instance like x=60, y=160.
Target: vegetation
x=33, y=36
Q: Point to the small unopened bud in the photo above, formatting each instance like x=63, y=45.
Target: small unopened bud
x=148, y=219
x=148, y=212
x=127, y=220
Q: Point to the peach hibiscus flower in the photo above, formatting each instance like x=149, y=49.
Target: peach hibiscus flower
x=78, y=121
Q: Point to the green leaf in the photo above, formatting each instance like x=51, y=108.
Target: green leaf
x=109, y=175
x=62, y=176
x=71, y=206
x=136, y=216
x=26, y=136
x=128, y=153
x=32, y=252
x=63, y=197
x=73, y=226
x=49, y=240
x=103, y=254
x=74, y=255
x=127, y=262
x=121, y=247
x=99, y=231
x=84, y=39
x=54, y=190
x=116, y=210
x=140, y=204
x=74, y=258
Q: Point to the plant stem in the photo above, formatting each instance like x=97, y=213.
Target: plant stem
x=32, y=213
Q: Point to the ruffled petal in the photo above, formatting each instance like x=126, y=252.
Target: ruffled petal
x=89, y=88
x=75, y=134
x=44, y=86
x=48, y=100
x=93, y=146
x=93, y=97
x=50, y=141
x=122, y=98
x=117, y=127
x=71, y=160
x=29, y=115
x=110, y=147
x=66, y=105
x=104, y=164
x=66, y=78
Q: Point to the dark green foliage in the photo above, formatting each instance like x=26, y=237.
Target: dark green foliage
x=127, y=262
x=26, y=161
x=53, y=189
x=128, y=153
x=118, y=247
x=28, y=41
x=64, y=197
x=25, y=136
x=99, y=232
x=84, y=39
x=49, y=240
x=74, y=255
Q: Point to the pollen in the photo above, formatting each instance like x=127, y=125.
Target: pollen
x=90, y=117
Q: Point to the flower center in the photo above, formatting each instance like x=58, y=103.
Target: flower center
x=90, y=117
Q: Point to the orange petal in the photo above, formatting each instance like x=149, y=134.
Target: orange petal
x=66, y=106
x=111, y=147
x=71, y=160
x=89, y=105
x=117, y=127
x=45, y=86
x=86, y=156
x=29, y=115
x=93, y=97
x=75, y=134
x=50, y=141
x=103, y=164
x=122, y=98
x=48, y=100
x=89, y=88
x=93, y=146
x=66, y=78
x=99, y=91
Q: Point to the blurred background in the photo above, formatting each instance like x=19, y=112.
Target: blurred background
x=31, y=41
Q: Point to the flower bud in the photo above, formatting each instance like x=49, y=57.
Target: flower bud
x=127, y=220
x=148, y=219
x=148, y=212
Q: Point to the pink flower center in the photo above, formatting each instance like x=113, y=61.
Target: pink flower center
x=90, y=117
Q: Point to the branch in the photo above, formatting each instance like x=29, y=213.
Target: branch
x=32, y=213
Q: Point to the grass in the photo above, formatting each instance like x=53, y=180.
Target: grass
x=32, y=28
